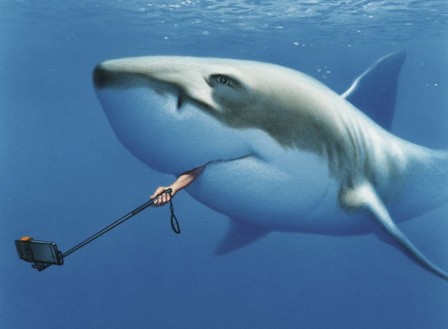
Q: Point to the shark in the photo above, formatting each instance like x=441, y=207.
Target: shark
x=279, y=150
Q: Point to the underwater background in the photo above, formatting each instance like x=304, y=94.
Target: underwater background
x=64, y=175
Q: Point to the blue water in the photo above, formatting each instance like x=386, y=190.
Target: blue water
x=64, y=175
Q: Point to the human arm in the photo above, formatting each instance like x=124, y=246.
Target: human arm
x=180, y=183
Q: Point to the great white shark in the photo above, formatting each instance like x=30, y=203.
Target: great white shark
x=280, y=151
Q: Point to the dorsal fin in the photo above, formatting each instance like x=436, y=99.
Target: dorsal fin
x=374, y=92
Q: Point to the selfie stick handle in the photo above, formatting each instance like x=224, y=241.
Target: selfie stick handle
x=115, y=224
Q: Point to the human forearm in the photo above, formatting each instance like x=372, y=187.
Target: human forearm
x=180, y=183
x=186, y=179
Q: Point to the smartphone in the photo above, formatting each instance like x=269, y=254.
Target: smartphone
x=41, y=253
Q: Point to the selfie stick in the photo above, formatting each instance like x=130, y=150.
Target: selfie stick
x=44, y=254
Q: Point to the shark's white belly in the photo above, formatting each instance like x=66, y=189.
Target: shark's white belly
x=293, y=192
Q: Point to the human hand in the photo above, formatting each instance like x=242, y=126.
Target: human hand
x=165, y=197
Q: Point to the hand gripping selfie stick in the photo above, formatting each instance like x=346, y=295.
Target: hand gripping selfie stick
x=43, y=254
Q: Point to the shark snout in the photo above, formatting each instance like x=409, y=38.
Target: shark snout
x=111, y=74
x=105, y=76
x=99, y=76
x=124, y=74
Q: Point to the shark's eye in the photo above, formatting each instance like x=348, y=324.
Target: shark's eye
x=223, y=80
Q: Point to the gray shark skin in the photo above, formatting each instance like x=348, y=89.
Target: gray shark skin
x=280, y=151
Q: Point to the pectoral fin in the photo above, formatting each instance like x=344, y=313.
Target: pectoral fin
x=363, y=196
x=240, y=234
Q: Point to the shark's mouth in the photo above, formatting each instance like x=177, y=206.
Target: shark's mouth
x=200, y=169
